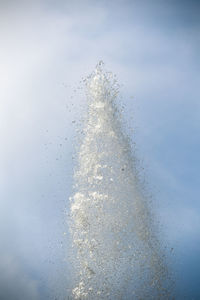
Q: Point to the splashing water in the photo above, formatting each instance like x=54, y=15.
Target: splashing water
x=117, y=253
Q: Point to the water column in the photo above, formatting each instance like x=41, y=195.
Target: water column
x=117, y=253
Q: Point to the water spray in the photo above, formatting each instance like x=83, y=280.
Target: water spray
x=117, y=252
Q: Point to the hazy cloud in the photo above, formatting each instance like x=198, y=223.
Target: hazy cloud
x=46, y=48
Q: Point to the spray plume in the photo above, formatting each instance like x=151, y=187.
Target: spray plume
x=118, y=255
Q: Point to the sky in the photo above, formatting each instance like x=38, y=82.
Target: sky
x=47, y=48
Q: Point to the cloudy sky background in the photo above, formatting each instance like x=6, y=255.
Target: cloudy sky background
x=47, y=47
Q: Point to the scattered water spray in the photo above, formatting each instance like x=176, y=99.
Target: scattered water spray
x=117, y=253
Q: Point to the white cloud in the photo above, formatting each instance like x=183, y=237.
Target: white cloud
x=45, y=45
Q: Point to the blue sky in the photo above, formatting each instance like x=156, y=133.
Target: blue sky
x=46, y=49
